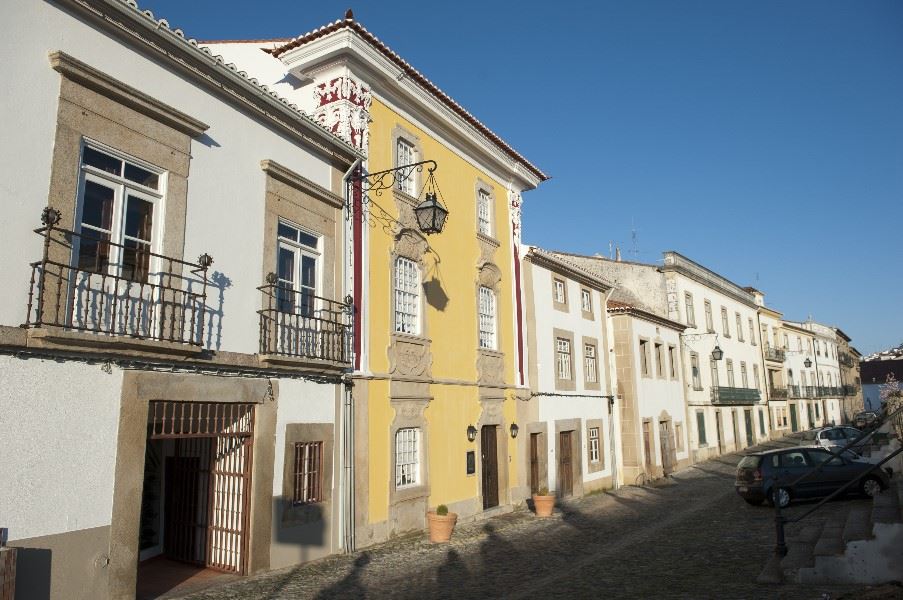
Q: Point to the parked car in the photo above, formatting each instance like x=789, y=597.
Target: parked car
x=830, y=437
x=864, y=419
x=773, y=475
x=854, y=456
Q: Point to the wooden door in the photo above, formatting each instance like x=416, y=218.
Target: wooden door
x=534, y=462
x=565, y=464
x=664, y=434
x=736, y=429
x=794, y=423
x=490, y=463
x=747, y=414
x=647, y=443
x=719, y=429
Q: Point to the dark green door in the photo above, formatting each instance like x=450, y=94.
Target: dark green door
x=794, y=426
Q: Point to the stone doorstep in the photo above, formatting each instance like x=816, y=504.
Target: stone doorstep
x=800, y=549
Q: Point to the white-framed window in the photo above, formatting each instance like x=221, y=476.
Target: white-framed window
x=709, y=325
x=407, y=296
x=659, y=360
x=644, y=358
x=560, y=292
x=589, y=363
x=298, y=256
x=725, y=326
x=694, y=371
x=563, y=352
x=119, y=202
x=743, y=375
x=487, y=318
x=586, y=301
x=752, y=332
x=672, y=361
x=691, y=310
x=756, y=381
x=713, y=365
x=739, y=327
x=484, y=213
x=405, y=155
x=407, y=457
x=594, y=446
x=730, y=373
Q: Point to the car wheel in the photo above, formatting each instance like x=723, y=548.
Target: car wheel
x=870, y=486
x=780, y=496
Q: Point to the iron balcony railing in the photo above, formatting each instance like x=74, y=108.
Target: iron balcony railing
x=802, y=391
x=85, y=282
x=776, y=354
x=734, y=395
x=829, y=391
x=846, y=360
x=302, y=325
x=850, y=390
x=778, y=393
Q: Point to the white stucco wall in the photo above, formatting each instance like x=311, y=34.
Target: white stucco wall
x=58, y=428
x=225, y=187
x=657, y=395
x=300, y=402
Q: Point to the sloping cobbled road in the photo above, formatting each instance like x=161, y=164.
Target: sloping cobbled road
x=689, y=537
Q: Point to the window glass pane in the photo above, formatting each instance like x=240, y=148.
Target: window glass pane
x=288, y=232
x=308, y=272
x=93, y=251
x=286, y=265
x=101, y=161
x=793, y=460
x=308, y=240
x=141, y=176
x=135, y=260
x=97, y=209
x=139, y=218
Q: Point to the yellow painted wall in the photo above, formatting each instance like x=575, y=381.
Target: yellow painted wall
x=453, y=331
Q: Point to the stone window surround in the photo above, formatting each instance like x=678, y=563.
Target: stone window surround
x=482, y=185
x=600, y=465
x=562, y=306
x=739, y=320
x=400, y=132
x=725, y=323
x=594, y=342
x=92, y=105
x=411, y=245
x=695, y=379
x=709, y=317
x=690, y=307
x=566, y=385
x=679, y=435
x=409, y=414
x=645, y=358
x=293, y=515
x=587, y=314
x=658, y=356
x=673, y=362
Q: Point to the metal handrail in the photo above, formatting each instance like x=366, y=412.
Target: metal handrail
x=162, y=298
x=781, y=521
x=304, y=325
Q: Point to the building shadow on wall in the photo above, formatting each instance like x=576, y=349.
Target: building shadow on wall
x=435, y=295
x=216, y=302
x=299, y=530
x=33, y=573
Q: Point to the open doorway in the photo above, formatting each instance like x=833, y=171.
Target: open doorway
x=196, y=495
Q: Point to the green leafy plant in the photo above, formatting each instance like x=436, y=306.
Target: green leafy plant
x=442, y=510
x=543, y=491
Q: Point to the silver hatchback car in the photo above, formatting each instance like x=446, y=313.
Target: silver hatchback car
x=831, y=437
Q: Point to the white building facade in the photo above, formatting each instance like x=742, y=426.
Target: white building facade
x=176, y=326
x=568, y=424
x=726, y=404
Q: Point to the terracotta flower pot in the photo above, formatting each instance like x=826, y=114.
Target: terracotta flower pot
x=441, y=526
x=543, y=505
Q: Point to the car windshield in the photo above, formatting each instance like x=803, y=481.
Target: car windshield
x=749, y=462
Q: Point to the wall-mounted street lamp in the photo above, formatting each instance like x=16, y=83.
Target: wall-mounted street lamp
x=807, y=362
x=431, y=214
x=717, y=353
x=471, y=433
x=514, y=430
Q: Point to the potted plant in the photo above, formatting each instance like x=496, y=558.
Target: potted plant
x=442, y=523
x=543, y=502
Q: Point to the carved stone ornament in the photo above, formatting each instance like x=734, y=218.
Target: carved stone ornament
x=409, y=409
x=410, y=358
x=490, y=368
x=343, y=107
x=411, y=244
x=492, y=410
x=514, y=202
x=489, y=276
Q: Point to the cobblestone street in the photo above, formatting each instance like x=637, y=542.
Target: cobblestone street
x=690, y=537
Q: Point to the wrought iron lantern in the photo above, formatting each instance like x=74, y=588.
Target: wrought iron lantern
x=430, y=214
x=514, y=430
x=717, y=353
x=471, y=433
x=807, y=362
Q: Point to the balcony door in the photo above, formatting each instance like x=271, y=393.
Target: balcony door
x=297, y=324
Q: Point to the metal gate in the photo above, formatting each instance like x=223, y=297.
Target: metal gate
x=208, y=481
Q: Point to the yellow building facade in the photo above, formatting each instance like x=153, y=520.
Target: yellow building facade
x=438, y=318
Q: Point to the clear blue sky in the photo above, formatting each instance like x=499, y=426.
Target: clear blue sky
x=763, y=139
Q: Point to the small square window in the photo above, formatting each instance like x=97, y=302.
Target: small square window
x=308, y=487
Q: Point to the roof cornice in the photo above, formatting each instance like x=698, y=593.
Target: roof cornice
x=674, y=261
x=394, y=75
x=541, y=258
x=141, y=30
x=619, y=308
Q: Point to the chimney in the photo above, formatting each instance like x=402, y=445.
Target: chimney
x=618, y=253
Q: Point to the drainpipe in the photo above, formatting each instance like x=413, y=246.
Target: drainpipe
x=612, y=379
